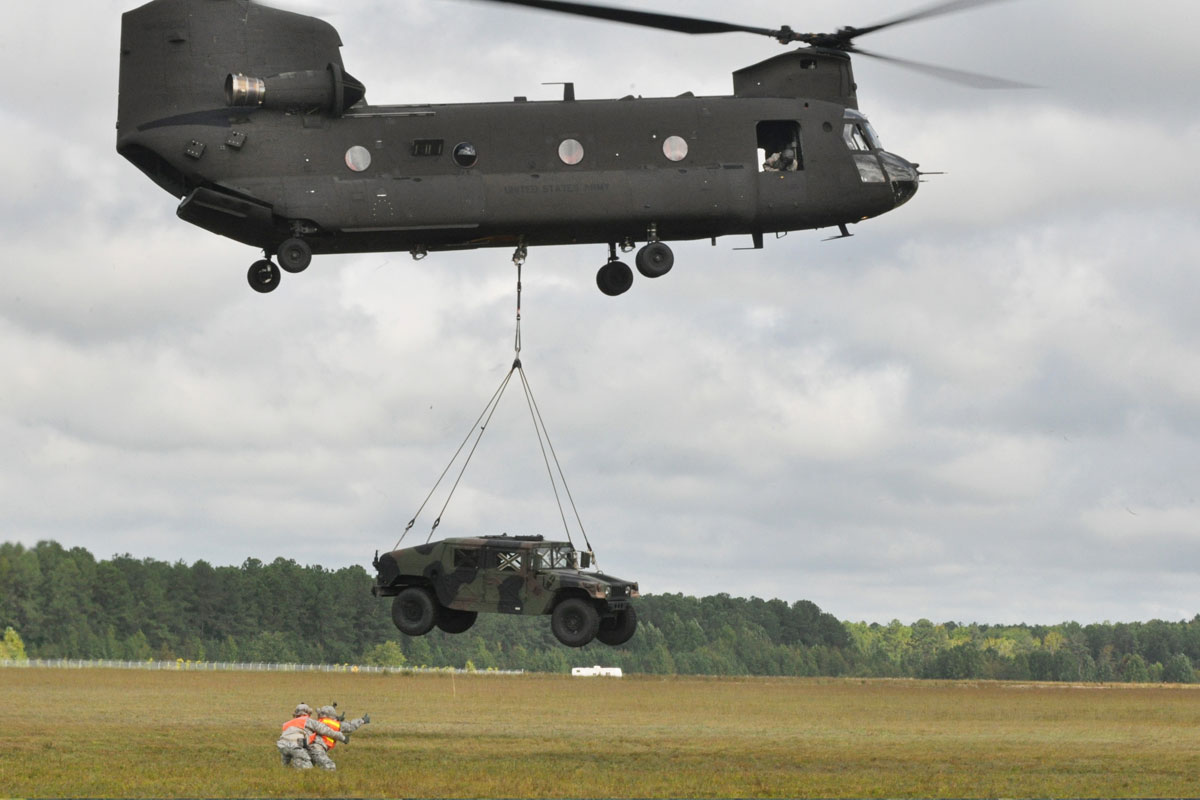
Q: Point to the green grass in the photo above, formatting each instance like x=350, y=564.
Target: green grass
x=93, y=732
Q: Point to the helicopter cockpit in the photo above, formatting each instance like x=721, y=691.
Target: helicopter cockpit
x=876, y=165
x=858, y=133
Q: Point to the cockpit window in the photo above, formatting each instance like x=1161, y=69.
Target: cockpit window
x=859, y=135
x=872, y=136
x=855, y=138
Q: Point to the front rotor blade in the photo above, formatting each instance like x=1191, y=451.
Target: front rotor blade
x=971, y=79
x=667, y=22
x=935, y=10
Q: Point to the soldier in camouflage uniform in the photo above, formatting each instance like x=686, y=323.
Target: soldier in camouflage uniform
x=320, y=745
x=292, y=743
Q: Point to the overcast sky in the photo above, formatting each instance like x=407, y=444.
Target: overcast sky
x=983, y=407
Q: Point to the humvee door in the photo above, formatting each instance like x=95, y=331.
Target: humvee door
x=504, y=572
x=463, y=586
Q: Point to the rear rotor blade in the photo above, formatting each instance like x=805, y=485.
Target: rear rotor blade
x=667, y=22
x=963, y=77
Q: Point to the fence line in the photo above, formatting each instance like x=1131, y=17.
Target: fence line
x=218, y=666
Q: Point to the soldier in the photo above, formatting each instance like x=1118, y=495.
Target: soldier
x=292, y=742
x=781, y=161
x=320, y=745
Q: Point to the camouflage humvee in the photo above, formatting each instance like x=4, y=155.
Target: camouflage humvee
x=448, y=583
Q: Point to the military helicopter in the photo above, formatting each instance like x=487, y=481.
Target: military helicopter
x=247, y=114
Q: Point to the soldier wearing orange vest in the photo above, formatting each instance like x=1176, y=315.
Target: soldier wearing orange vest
x=293, y=741
x=319, y=745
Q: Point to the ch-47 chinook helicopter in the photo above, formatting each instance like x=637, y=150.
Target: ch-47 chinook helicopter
x=247, y=114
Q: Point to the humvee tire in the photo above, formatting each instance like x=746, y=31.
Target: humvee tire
x=452, y=620
x=575, y=622
x=414, y=611
x=618, y=629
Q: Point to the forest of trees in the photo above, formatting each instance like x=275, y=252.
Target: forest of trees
x=63, y=603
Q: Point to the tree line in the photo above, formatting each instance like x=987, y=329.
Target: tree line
x=64, y=603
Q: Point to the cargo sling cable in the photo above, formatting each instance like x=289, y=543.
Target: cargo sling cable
x=481, y=424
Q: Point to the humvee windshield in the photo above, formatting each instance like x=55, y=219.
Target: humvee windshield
x=554, y=556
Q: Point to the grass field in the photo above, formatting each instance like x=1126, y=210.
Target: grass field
x=132, y=733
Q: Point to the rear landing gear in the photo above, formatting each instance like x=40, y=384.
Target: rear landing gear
x=263, y=276
x=294, y=255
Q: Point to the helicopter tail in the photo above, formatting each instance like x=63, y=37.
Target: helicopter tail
x=189, y=63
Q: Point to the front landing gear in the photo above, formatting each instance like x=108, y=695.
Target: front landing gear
x=614, y=278
x=654, y=260
x=263, y=276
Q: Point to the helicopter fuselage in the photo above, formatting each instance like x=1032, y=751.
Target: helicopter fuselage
x=266, y=145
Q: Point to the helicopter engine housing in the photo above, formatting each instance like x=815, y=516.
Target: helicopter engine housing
x=328, y=90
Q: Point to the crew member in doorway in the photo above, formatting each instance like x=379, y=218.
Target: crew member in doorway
x=783, y=161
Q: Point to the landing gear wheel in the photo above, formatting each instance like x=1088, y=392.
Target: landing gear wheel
x=294, y=255
x=453, y=620
x=618, y=629
x=655, y=260
x=263, y=276
x=414, y=611
x=614, y=278
x=575, y=622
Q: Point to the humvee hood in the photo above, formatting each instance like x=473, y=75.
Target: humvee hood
x=593, y=577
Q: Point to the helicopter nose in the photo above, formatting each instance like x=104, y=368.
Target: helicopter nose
x=904, y=176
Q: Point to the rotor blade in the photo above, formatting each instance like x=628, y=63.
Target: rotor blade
x=668, y=22
x=935, y=10
x=971, y=79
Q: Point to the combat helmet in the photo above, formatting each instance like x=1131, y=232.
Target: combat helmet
x=303, y=710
